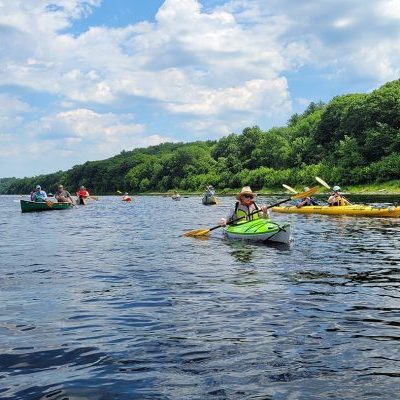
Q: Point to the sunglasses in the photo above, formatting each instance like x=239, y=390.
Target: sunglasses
x=248, y=196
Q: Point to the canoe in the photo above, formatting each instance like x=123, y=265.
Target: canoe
x=259, y=230
x=209, y=200
x=355, y=210
x=29, y=206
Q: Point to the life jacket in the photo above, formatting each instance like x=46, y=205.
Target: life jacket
x=244, y=211
x=39, y=198
x=340, y=201
x=82, y=193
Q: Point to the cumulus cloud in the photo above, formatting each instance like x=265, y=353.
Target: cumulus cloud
x=101, y=134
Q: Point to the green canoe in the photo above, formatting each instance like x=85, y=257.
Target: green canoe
x=29, y=206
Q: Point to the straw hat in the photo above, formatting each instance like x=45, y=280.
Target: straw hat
x=245, y=190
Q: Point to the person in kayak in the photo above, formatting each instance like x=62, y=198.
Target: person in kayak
x=244, y=207
x=62, y=195
x=336, y=198
x=307, y=201
x=126, y=197
x=83, y=193
x=39, y=195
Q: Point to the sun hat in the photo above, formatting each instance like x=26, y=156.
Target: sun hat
x=306, y=188
x=336, y=188
x=60, y=186
x=245, y=190
x=38, y=187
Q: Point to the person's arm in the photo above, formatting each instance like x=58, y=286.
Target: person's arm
x=229, y=217
x=264, y=212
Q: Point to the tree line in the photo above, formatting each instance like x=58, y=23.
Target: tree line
x=353, y=139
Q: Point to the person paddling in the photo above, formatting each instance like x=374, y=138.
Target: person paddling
x=82, y=194
x=244, y=207
x=39, y=195
x=126, y=197
x=336, y=198
x=62, y=195
x=307, y=201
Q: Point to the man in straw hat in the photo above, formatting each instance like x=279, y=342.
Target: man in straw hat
x=244, y=207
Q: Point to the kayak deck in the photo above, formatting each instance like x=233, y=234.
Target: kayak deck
x=355, y=210
x=259, y=230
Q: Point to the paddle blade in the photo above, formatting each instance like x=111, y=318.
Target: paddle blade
x=308, y=193
x=197, y=232
x=289, y=188
x=322, y=182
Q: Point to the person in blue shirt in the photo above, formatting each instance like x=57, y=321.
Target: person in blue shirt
x=39, y=195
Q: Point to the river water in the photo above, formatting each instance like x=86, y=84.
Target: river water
x=108, y=301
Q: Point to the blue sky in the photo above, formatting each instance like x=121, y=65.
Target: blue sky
x=84, y=80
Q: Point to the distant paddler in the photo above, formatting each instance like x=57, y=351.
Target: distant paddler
x=176, y=196
x=126, y=197
x=83, y=195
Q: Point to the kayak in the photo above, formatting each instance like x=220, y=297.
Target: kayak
x=259, y=230
x=209, y=200
x=126, y=199
x=29, y=206
x=355, y=210
x=82, y=201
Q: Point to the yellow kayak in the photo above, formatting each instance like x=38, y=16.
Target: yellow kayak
x=355, y=209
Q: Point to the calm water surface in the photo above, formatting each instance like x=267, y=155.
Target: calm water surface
x=108, y=301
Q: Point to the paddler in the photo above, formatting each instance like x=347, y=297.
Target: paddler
x=63, y=196
x=307, y=201
x=39, y=195
x=82, y=193
x=244, y=207
x=336, y=198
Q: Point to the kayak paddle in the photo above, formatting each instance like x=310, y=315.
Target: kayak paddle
x=289, y=188
x=203, y=232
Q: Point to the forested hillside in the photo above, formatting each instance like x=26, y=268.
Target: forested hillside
x=354, y=139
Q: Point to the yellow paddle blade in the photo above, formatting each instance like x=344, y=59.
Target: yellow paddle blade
x=308, y=193
x=289, y=188
x=322, y=182
x=197, y=232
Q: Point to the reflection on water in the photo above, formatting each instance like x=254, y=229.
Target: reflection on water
x=111, y=302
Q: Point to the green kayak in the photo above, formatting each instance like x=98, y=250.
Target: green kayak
x=260, y=230
x=29, y=206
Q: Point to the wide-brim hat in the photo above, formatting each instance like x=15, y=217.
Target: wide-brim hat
x=245, y=190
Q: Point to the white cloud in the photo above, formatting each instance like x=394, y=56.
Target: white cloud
x=103, y=134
